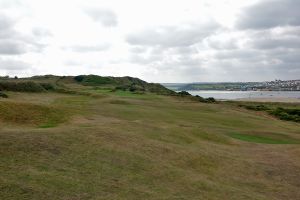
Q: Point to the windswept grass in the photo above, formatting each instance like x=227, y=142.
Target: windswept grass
x=121, y=145
x=31, y=114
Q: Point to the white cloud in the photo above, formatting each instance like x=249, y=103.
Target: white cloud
x=181, y=35
x=88, y=48
x=105, y=16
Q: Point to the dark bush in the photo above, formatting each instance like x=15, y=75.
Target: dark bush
x=79, y=78
x=184, y=93
x=48, y=86
x=205, y=100
x=3, y=95
x=122, y=87
x=286, y=114
x=210, y=100
x=201, y=99
x=134, y=88
x=256, y=107
x=293, y=111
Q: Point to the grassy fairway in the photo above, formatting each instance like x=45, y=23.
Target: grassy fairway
x=120, y=145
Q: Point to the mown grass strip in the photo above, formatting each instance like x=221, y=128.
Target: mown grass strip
x=262, y=139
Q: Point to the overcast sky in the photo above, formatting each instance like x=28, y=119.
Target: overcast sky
x=155, y=40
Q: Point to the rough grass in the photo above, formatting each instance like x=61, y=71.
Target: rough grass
x=27, y=113
x=142, y=146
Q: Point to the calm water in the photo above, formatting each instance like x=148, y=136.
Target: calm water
x=245, y=94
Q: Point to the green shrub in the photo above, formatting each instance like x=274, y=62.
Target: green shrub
x=93, y=80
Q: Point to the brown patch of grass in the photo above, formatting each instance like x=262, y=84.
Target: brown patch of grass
x=30, y=114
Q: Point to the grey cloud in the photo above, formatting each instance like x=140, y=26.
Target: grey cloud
x=137, y=49
x=86, y=49
x=177, y=56
x=5, y=22
x=13, y=65
x=173, y=36
x=220, y=44
x=184, y=68
x=262, y=54
x=73, y=63
x=271, y=43
x=271, y=61
x=41, y=32
x=11, y=48
x=287, y=38
x=269, y=14
x=6, y=27
x=239, y=54
x=13, y=42
x=190, y=50
x=106, y=17
x=286, y=56
x=238, y=70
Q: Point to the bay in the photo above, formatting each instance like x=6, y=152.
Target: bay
x=231, y=95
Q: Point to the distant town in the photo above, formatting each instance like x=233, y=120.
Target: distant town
x=276, y=85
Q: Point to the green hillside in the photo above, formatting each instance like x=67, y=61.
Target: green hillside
x=93, y=138
x=51, y=82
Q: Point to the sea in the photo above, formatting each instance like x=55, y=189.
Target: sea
x=231, y=95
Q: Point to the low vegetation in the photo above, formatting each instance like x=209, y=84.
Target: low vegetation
x=25, y=86
x=287, y=112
